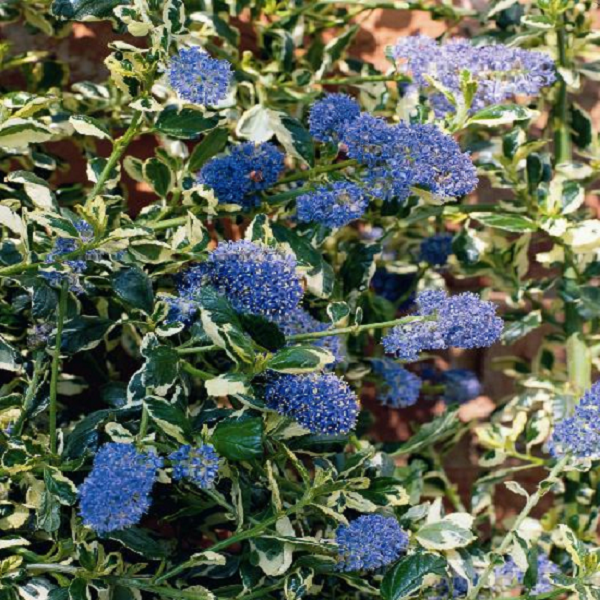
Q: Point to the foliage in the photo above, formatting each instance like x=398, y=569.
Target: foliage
x=179, y=408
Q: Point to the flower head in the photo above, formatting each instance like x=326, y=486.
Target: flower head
x=199, y=464
x=116, y=494
x=328, y=117
x=369, y=543
x=333, y=205
x=509, y=575
x=579, y=434
x=501, y=72
x=256, y=279
x=462, y=385
x=436, y=249
x=198, y=78
x=237, y=177
x=400, y=387
x=407, y=341
x=320, y=402
x=181, y=309
x=299, y=321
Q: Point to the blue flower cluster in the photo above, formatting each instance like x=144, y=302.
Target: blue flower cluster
x=320, y=402
x=299, y=321
x=76, y=266
x=501, y=72
x=436, y=249
x=181, y=309
x=401, y=388
x=393, y=286
x=509, y=575
x=333, y=205
x=198, y=77
x=460, y=588
x=462, y=385
x=579, y=434
x=404, y=155
x=199, y=464
x=237, y=177
x=461, y=321
x=116, y=494
x=329, y=116
x=369, y=543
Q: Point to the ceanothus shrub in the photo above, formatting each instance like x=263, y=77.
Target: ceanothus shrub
x=266, y=382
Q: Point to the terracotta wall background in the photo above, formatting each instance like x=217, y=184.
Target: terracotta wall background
x=85, y=51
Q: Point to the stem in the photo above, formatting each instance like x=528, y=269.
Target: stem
x=532, y=502
x=198, y=350
x=309, y=173
x=562, y=137
x=188, y=368
x=143, y=423
x=358, y=79
x=30, y=394
x=62, y=309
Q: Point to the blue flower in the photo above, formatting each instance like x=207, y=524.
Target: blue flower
x=461, y=321
x=299, y=321
x=320, y=402
x=116, y=494
x=392, y=286
x=256, y=279
x=237, y=177
x=198, y=78
x=509, y=576
x=370, y=140
x=579, y=434
x=333, y=205
x=460, y=587
x=401, y=388
x=501, y=72
x=328, y=117
x=199, y=464
x=436, y=249
x=369, y=543
x=462, y=385
x=181, y=309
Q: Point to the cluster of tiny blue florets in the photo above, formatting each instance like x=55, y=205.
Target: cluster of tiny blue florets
x=116, y=494
x=198, y=77
x=299, y=321
x=181, y=309
x=444, y=591
x=509, y=576
x=461, y=321
x=237, y=177
x=369, y=543
x=461, y=385
x=199, y=464
x=579, y=434
x=333, y=205
x=320, y=402
x=501, y=72
x=436, y=249
x=400, y=387
x=75, y=266
x=329, y=116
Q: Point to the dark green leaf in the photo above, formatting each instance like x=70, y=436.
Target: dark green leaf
x=60, y=486
x=300, y=359
x=159, y=175
x=358, y=268
x=187, y=124
x=514, y=223
x=263, y=332
x=239, y=440
x=213, y=143
x=84, y=333
x=134, y=287
x=141, y=542
x=80, y=10
x=169, y=417
x=406, y=577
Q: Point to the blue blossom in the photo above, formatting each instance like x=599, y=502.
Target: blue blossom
x=579, y=434
x=461, y=321
x=116, y=494
x=436, y=249
x=441, y=591
x=400, y=388
x=237, y=177
x=40, y=335
x=392, y=286
x=333, y=205
x=181, y=309
x=408, y=155
x=501, y=72
x=509, y=576
x=299, y=321
x=369, y=543
x=256, y=279
x=406, y=342
x=198, y=78
x=199, y=464
x=328, y=117
x=462, y=385
x=320, y=402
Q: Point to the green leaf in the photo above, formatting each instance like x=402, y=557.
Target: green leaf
x=295, y=138
x=170, y=418
x=521, y=326
x=446, y=534
x=9, y=357
x=161, y=369
x=406, y=577
x=60, y=487
x=263, y=332
x=141, y=542
x=300, y=359
x=159, y=175
x=213, y=143
x=134, y=287
x=84, y=333
x=359, y=267
x=48, y=514
x=186, y=124
x=85, y=125
x=239, y=440
x=82, y=10
x=513, y=223
x=493, y=116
